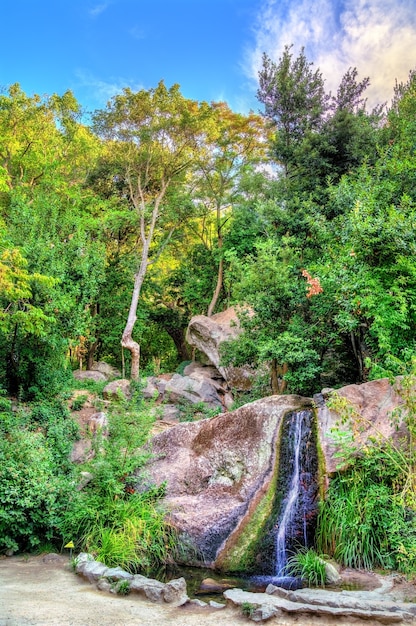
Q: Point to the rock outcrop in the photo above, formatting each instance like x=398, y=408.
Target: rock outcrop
x=206, y=334
x=219, y=478
x=370, y=407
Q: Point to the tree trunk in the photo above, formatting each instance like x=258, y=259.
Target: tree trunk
x=278, y=383
x=127, y=340
x=218, y=288
x=220, y=275
x=178, y=337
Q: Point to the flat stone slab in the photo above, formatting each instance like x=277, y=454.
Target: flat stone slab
x=376, y=607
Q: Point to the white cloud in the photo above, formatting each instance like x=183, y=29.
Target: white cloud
x=378, y=37
x=99, y=91
x=137, y=33
x=98, y=9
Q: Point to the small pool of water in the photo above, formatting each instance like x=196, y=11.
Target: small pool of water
x=194, y=577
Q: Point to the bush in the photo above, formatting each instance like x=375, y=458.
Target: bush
x=33, y=488
x=108, y=518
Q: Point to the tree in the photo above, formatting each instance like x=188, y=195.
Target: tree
x=152, y=137
x=295, y=103
x=235, y=145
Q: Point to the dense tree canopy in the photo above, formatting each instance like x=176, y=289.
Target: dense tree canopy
x=166, y=207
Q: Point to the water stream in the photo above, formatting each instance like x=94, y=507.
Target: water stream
x=292, y=524
x=286, y=527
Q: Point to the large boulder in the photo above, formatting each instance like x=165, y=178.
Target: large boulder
x=109, y=371
x=370, y=407
x=206, y=334
x=96, y=376
x=219, y=475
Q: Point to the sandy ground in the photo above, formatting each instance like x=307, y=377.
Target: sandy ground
x=38, y=591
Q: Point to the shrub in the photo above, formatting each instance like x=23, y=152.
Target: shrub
x=108, y=518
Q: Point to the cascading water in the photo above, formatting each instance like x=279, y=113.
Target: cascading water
x=292, y=523
x=290, y=502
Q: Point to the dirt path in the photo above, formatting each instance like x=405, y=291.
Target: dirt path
x=38, y=591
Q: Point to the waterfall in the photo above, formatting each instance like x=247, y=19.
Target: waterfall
x=290, y=504
x=291, y=525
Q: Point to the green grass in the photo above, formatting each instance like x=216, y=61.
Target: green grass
x=308, y=565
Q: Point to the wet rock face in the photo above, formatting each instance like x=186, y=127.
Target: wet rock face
x=217, y=472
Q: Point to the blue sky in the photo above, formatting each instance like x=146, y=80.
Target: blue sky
x=212, y=48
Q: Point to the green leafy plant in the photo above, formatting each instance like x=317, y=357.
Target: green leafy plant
x=247, y=609
x=109, y=518
x=78, y=402
x=123, y=587
x=308, y=565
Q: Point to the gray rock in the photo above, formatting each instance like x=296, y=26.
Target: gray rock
x=109, y=371
x=174, y=592
x=213, y=469
x=372, y=403
x=81, y=451
x=150, y=588
x=198, y=602
x=206, y=334
x=98, y=423
x=104, y=585
x=117, y=388
x=216, y=605
x=92, y=570
x=366, y=605
x=191, y=389
x=99, y=377
x=118, y=573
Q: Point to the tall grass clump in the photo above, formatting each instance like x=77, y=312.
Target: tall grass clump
x=368, y=519
x=116, y=517
x=308, y=565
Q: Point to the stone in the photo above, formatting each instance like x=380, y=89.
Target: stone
x=98, y=377
x=370, y=606
x=109, y=371
x=150, y=588
x=373, y=403
x=191, y=390
x=206, y=334
x=332, y=575
x=217, y=473
x=175, y=593
x=209, y=585
x=198, y=602
x=216, y=605
x=150, y=390
x=117, y=573
x=98, y=423
x=117, y=388
x=81, y=451
x=92, y=570
x=104, y=585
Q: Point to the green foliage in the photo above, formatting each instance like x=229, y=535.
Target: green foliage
x=247, y=609
x=109, y=518
x=123, y=587
x=35, y=476
x=369, y=516
x=78, y=402
x=191, y=411
x=362, y=523
x=308, y=565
